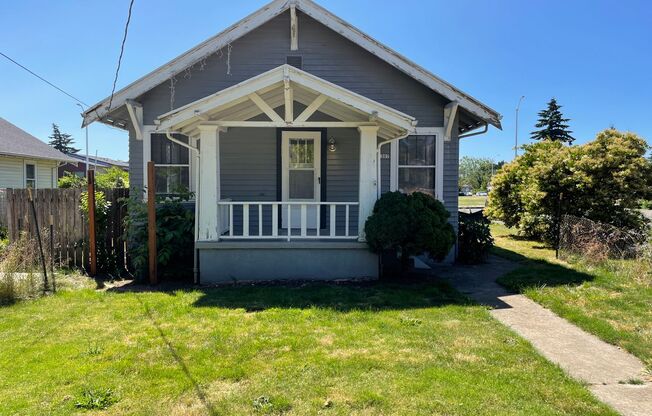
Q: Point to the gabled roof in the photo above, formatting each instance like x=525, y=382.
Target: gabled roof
x=17, y=142
x=269, y=90
x=267, y=13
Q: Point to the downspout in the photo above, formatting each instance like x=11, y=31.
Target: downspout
x=378, y=161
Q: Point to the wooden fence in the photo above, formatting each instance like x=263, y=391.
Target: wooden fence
x=70, y=225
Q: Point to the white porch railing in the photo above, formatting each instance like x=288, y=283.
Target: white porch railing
x=299, y=220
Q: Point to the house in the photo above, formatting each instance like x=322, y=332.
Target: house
x=288, y=126
x=25, y=161
x=97, y=163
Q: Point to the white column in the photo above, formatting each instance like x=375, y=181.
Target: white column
x=208, y=191
x=368, y=175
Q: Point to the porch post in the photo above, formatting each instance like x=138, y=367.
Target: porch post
x=207, y=196
x=368, y=172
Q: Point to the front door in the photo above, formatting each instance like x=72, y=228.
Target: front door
x=300, y=159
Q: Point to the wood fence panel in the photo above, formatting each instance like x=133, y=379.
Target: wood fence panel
x=70, y=225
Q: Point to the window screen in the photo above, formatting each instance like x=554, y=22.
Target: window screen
x=172, y=164
x=416, y=164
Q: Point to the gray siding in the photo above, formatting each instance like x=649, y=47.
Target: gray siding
x=343, y=172
x=135, y=161
x=325, y=53
x=385, y=168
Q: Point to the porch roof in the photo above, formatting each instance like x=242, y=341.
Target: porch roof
x=269, y=100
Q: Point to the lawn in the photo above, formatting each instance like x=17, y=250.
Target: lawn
x=472, y=201
x=367, y=349
x=612, y=300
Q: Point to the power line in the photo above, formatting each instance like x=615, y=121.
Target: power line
x=122, y=49
x=45, y=80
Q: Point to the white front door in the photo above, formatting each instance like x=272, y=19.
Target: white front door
x=301, y=162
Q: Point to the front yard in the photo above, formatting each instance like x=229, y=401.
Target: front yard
x=304, y=349
x=611, y=300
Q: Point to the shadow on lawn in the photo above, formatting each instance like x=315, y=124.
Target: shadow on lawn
x=343, y=297
x=535, y=273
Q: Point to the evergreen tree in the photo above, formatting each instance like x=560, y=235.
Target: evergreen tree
x=553, y=125
x=61, y=141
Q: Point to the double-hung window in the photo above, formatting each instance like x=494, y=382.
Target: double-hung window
x=172, y=165
x=30, y=175
x=416, y=164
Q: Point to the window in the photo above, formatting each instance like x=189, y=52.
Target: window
x=416, y=164
x=172, y=165
x=30, y=175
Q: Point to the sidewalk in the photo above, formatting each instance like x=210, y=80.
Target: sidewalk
x=603, y=367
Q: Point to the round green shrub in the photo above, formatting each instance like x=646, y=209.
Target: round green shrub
x=410, y=225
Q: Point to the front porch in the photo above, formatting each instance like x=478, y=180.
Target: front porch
x=280, y=196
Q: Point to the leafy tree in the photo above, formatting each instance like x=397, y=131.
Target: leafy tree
x=476, y=172
x=603, y=180
x=61, y=141
x=114, y=177
x=70, y=180
x=552, y=124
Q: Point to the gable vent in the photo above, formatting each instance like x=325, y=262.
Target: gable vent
x=295, y=61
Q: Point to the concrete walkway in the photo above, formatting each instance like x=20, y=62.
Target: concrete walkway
x=602, y=366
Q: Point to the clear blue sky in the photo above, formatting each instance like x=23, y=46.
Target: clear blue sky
x=594, y=56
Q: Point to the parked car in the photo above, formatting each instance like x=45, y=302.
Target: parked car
x=481, y=194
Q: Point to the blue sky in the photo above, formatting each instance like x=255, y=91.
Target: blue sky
x=594, y=56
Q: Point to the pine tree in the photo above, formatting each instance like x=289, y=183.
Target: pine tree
x=553, y=125
x=61, y=141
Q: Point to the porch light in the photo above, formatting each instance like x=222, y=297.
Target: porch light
x=331, y=145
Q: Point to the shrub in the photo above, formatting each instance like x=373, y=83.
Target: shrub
x=475, y=240
x=175, y=230
x=70, y=180
x=409, y=225
x=603, y=180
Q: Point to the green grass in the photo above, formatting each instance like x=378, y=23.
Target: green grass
x=374, y=349
x=472, y=201
x=612, y=300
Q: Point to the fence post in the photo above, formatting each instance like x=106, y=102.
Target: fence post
x=38, y=237
x=91, y=223
x=151, y=223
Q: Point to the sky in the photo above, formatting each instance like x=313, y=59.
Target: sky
x=594, y=57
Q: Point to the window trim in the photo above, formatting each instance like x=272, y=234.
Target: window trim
x=35, y=179
x=148, y=130
x=438, y=132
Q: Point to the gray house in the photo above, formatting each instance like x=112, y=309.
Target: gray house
x=288, y=126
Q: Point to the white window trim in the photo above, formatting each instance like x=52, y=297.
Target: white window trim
x=148, y=130
x=438, y=132
x=30, y=162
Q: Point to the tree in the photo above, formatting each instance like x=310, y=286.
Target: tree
x=553, y=125
x=476, y=172
x=603, y=180
x=113, y=177
x=61, y=141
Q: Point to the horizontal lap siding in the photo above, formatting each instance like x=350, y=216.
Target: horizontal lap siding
x=325, y=54
x=343, y=172
x=451, y=175
x=11, y=172
x=44, y=174
x=135, y=161
x=248, y=159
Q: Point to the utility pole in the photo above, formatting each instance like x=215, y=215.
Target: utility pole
x=518, y=107
x=82, y=108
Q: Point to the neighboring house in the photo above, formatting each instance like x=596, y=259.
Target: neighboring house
x=99, y=164
x=466, y=190
x=25, y=161
x=288, y=126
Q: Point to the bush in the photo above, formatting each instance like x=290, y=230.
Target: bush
x=602, y=180
x=475, y=240
x=175, y=230
x=409, y=225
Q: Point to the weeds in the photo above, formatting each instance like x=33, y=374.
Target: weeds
x=96, y=399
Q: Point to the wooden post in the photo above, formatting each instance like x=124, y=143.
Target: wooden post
x=38, y=238
x=91, y=223
x=151, y=223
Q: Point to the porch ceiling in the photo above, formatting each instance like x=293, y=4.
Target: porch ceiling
x=274, y=94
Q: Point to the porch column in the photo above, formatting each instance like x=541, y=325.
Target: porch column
x=368, y=175
x=208, y=191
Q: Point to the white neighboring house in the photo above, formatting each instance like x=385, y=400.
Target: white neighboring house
x=25, y=161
